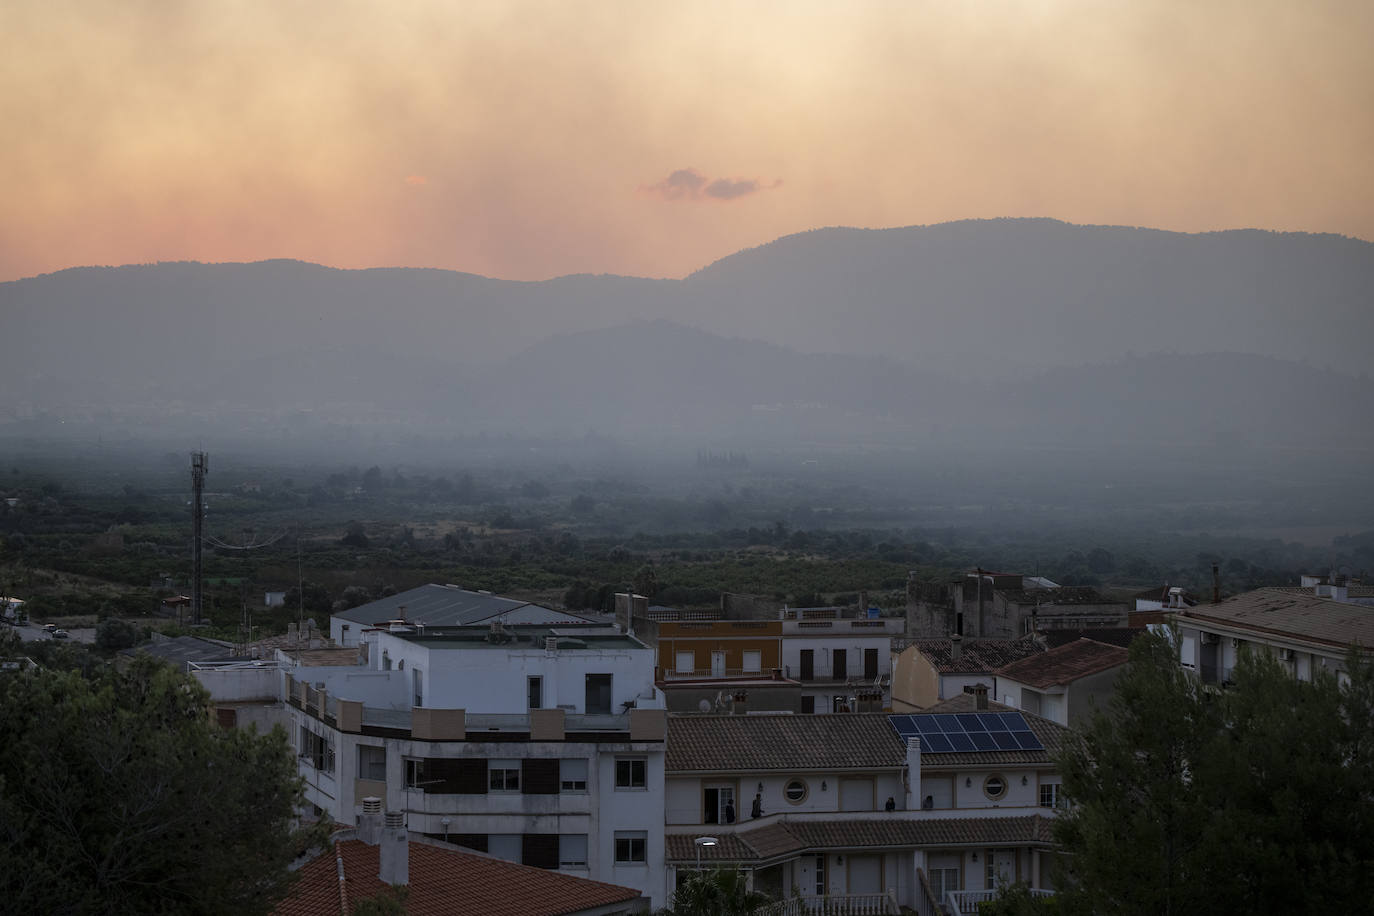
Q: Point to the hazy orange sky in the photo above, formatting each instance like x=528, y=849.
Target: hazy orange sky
x=529, y=140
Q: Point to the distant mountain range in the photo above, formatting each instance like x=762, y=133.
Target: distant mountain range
x=1031, y=328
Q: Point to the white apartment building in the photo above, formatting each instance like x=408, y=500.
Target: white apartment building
x=843, y=659
x=1305, y=631
x=853, y=813
x=538, y=745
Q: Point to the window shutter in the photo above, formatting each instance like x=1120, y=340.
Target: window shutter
x=539, y=850
x=539, y=776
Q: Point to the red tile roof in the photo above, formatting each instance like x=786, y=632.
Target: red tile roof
x=783, y=742
x=977, y=655
x=787, y=838
x=443, y=881
x=1065, y=664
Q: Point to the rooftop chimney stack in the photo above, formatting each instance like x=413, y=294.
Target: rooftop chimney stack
x=956, y=647
x=395, y=851
x=370, y=824
x=913, y=772
x=980, y=696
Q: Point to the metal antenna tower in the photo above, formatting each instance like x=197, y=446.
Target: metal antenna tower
x=200, y=465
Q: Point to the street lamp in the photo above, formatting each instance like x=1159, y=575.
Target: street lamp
x=445, y=822
x=703, y=841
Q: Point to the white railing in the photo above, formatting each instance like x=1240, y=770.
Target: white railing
x=961, y=902
x=832, y=905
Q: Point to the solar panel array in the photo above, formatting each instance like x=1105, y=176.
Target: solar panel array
x=944, y=732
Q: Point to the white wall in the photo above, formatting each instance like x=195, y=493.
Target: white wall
x=824, y=646
x=493, y=679
x=684, y=794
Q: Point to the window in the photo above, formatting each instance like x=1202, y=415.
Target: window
x=317, y=750
x=686, y=662
x=598, y=694
x=808, y=705
x=820, y=875
x=870, y=664
x=839, y=664
x=631, y=772
x=371, y=762
x=1049, y=795
x=943, y=881
x=994, y=787
x=808, y=664
x=508, y=846
x=631, y=846
x=1030, y=700
x=540, y=850
x=503, y=776
x=419, y=686
x=536, y=692
x=719, y=805
x=753, y=660
x=415, y=773
x=572, y=774
x=795, y=791
x=572, y=850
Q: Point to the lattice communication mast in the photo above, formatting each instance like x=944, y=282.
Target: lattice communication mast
x=200, y=465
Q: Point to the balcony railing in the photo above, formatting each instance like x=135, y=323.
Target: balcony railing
x=961, y=902
x=673, y=674
x=831, y=905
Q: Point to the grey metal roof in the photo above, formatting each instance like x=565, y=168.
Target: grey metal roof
x=182, y=649
x=450, y=606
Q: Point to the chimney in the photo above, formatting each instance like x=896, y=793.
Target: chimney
x=395, y=851
x=370, y=824
x=980, y=696
x=956, y=647
x=1216, y=584
x=913, y=772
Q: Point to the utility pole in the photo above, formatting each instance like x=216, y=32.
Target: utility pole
x=200, y=465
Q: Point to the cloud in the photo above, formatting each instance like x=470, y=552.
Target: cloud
x=416, y=180
x=689, y=184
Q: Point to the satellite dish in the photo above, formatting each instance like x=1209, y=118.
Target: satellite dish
x=704, y=706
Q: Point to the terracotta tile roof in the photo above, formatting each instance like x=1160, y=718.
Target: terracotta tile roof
x=1115, y=636
x=787, y=838
x=445, y=881
x=1051, y=734
x=977, y=655
x=782, y=742
x=1299, y=615
x=1065, y=664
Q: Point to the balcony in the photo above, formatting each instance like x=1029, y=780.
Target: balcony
x=831, y=905
x=958, y=903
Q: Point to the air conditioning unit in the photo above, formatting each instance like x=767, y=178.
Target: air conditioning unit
x=1285, y=655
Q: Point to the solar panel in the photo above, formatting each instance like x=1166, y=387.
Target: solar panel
x=943, y=733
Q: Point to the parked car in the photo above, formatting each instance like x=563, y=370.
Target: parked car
x=49, y=627
x=61, y=634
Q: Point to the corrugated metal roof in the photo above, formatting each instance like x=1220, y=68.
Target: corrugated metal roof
x=451, y=606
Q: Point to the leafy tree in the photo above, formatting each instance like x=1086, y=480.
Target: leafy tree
x=113, y=634
x=355, y=536
x=120, y=795
x=1186, y=800
x=718, y=892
